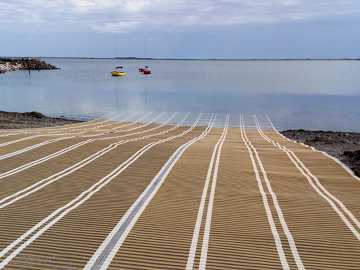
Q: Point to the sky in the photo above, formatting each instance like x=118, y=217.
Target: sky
x=178, y=29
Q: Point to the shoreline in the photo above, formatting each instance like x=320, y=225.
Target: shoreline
x=15, y=120
x=200, y=59
x=345, y=146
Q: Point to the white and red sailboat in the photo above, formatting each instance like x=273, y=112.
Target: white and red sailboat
x=145, y=70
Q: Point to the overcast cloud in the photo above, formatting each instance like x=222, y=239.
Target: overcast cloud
x=181, y=28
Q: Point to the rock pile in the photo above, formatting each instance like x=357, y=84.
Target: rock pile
x=6, y=66
x=11, y=64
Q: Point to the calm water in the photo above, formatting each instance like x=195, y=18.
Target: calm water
x=294, y=94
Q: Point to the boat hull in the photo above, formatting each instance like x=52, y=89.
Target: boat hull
x=116, y=73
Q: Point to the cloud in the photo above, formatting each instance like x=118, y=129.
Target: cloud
x=119, y=27
x=128, y=15
x=209, y=8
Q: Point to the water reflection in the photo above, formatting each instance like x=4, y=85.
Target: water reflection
x=294, y=94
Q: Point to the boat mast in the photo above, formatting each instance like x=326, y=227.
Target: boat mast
x=115, y=48
x=145, y=66
x=144, y=49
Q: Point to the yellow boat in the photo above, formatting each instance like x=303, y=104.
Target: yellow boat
x=117, y=73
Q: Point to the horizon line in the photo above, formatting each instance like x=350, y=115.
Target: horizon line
x=196, y=59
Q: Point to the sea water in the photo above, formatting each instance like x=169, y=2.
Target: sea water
x=308, y=94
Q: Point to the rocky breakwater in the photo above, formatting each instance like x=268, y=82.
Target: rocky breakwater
x=11, y=64
x=7, y=66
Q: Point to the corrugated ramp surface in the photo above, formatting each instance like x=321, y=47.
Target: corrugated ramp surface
x=124, y=195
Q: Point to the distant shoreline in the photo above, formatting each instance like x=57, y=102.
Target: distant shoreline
x=191, y=59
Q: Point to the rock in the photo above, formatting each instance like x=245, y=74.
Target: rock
x=343, y=145
x=9, y=64
x=35, y=114
x=355, y=155
x=11, y=120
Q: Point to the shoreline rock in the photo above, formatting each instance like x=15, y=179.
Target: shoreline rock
x=14, y=120
x=344, y=146
x=12, y=64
